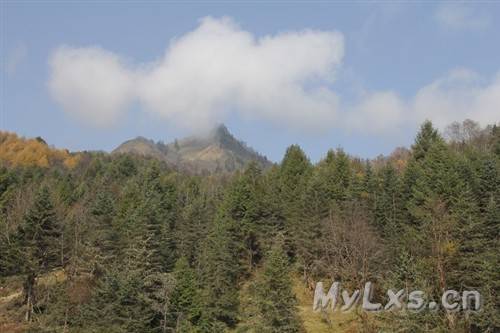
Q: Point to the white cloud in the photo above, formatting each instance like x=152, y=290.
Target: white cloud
x=15, y=57
x=376, y=113
x=91, y=84
x=219, y=69
x=216, y=69
x=459, y=95
x=460, y=16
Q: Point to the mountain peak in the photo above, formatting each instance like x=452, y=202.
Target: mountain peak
x=221, y=129
x=219, y=133
x=220, y=151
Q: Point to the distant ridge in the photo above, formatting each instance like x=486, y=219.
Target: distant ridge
x=217, y=152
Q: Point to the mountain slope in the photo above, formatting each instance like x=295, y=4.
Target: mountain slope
x=217, y=152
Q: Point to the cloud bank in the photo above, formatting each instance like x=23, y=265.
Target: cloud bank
x=218, y=69
x=461, y=94
x=206, y=74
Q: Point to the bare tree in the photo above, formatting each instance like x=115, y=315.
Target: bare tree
x=351, y=250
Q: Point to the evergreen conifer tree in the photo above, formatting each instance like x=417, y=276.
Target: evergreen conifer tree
x=221, y=269
x=275, y=297
x=39, y=240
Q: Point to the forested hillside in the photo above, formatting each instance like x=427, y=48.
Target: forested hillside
x=124, y=243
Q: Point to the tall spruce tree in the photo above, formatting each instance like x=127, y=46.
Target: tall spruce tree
x=294, y=175
x=387, y=202
x=243, y=204
x=38, y=237
x=106, y=239
x=275, y=298
x=195, y=213
x=221, y=269
x=186, y=302
x=159, y=214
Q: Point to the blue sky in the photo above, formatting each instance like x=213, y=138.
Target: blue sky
x=360, y=76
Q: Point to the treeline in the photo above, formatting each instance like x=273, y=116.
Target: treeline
x=148, y=249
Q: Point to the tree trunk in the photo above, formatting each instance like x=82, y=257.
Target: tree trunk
x=29, y=295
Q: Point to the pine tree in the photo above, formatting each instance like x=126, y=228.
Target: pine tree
x=243, y=204
x=39, y=233
x=275, y=297
x=187, y=307
x=66, y=189
x=489, y=183
x=293, y=178
x=294, y=173
x=126, y=288
x=495, y=140
x=438, y=204
x=370, y=184
x=342, y=175
x=158, y=213
x=426, y=138
x=477, y=259
x=432, y=172
x=220, y=269
x=387, y=203
x=118, y=303
x=106, y=238
x=195, y=212
x=39, y=240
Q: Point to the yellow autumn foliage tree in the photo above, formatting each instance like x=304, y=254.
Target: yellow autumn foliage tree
x=19, y=151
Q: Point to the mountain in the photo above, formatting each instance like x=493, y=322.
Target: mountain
x=217, y=152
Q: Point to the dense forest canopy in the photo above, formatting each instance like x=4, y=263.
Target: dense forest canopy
x=92, y=242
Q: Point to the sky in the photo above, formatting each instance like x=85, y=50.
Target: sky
x=359, y=76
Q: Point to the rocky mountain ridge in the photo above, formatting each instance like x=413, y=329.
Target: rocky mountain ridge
x=217, y=152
